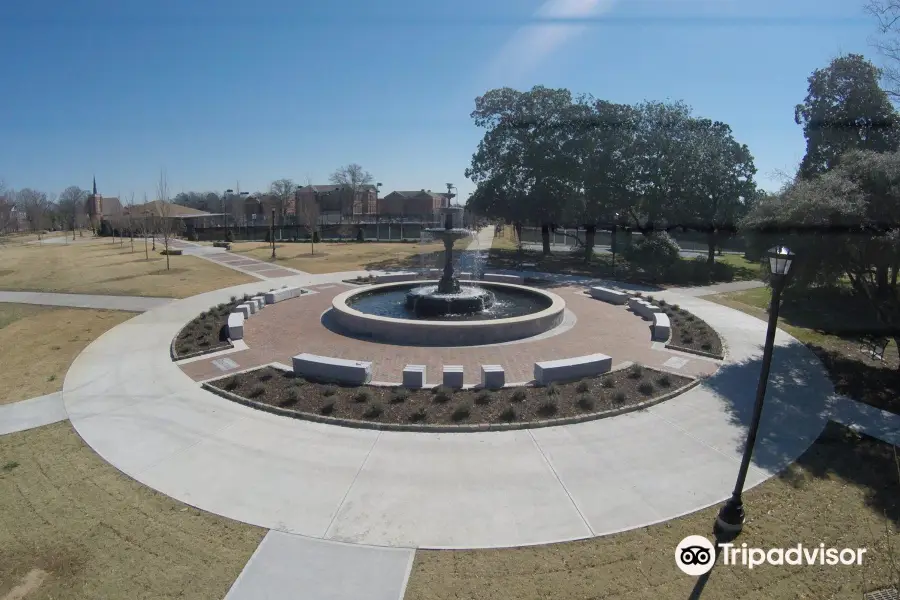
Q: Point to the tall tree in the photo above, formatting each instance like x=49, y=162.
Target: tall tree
x=354, y=179
x=887, y=15
x=717, y=185
x=282, y=190
x=164, y=211
x=36, y=207
x=845, y=109
x=522, y=152
x=71, y=205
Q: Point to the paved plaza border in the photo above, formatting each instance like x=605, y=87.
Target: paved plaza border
x=134, y=406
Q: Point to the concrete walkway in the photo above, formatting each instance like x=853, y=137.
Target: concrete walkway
x=239, y=262
x=104, y=302
x=141, y=413
x=484, y=238
x=720, y=288
x=32, y=413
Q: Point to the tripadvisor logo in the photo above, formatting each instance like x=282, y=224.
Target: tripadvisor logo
x=696, y=555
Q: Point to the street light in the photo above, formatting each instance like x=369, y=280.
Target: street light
x=272, y=234
x=612, y=243
x=731, y=516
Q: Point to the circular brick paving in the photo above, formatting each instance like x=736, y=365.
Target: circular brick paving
x=283, y=330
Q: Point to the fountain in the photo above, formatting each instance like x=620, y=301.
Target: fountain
x=445, y=312
x=448, y=297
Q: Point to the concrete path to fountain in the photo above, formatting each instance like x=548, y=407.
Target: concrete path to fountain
x=96, y=301
x=136, y=408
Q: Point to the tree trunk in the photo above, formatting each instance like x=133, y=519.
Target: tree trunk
x=894, y=269
x=167, y=252
x=545, y=238
x=881, y=279
x=517, y=228
x=590, y=232
x=897, y=343
x=711, y=239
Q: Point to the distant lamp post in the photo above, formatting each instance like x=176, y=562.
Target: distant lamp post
x=225, y=212
x=612, y=243
x=731, y=516
x=273, y=234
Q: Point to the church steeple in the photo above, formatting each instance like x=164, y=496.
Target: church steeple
x=95, y=185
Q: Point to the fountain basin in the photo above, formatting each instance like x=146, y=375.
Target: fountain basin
x=426, y=301
x=470, y=330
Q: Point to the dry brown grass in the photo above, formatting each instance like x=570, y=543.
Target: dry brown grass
x=38, y=344
x=843, y=492
x=334, y=257
x=97, y=266
x=99, y=534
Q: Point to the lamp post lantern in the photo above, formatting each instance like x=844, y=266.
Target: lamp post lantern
x=731, y=516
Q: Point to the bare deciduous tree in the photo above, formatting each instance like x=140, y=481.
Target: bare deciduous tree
x=308, y=212
x=7, y=209
x=71, y=204
x=36, y=207
x=352, y=178
x=145, y=226
x=887, y=13
x=164, y=210
x=130, y=219
x=282, y=190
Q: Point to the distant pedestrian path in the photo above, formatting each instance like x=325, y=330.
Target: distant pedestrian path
x=239, y=262
x=102, y=302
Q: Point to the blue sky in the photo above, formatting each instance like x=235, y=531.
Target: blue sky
x=220, y=92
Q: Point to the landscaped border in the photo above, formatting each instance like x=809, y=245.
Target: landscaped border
x=441, y=428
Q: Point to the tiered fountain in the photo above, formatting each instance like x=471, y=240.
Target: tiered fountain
x=445, y=312
x=448, y=297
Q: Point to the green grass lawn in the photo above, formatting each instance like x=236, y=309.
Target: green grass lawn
x=830, y=321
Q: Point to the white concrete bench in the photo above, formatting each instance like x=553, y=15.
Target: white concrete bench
x=393, y=277
x=608, y=295
x=260, y=301
x=662, y=328
x=236, y=326
x=243, y=310
x=571, y=368
x=453, y=376
x=327, y=368
x=499, y=278
x=493, y=377
x=285, y=293
x=643, y=308
x=251, y=304
x=414, y=376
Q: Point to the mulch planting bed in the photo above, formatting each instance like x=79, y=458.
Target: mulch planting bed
x=207, y=332
x=690, y=332
x=590, y=396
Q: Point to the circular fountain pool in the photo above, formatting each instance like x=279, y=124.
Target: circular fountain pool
x=380, y=313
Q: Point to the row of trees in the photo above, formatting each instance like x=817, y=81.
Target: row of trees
x=38, y=211
x=548, y=157
x=841, y=213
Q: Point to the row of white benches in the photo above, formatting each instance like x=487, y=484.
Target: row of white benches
x=255, y=304
x=662, y=327
x=436, y=274
x=357, y=372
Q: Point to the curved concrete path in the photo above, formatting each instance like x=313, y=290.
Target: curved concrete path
x=142, y=414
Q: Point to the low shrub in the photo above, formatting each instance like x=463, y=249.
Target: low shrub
x=442, y=395
x=664, y=380
x=706, y=346
x=363, y=396
x=233, y=299
x=399, y=396
x=298, y=382
x=548, y=409
x=329, y=391
x=518, y=395
x=583, y=386
x=586, y=402
x=635, y=371
x=461, y=413
x=552, y=391
x=483, y=397
x=231, y=384
x=661, y=302
x=257, y=391
x=265, y=377
x=208, y=326
x=608, y=383
x=619, y=397
x=327, y=409
x=509, y=414
x=676, y=308
x=687, y=338
x=417, y=416
x=645, y=388
x=373, y=412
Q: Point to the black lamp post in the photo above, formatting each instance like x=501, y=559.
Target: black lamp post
x=272, y=235
x=225, y=211
x=731, y=516
x=612, y=243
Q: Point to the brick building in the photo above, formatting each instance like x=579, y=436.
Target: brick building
x=339, y=201
x=422, y=205
x=98, y=208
